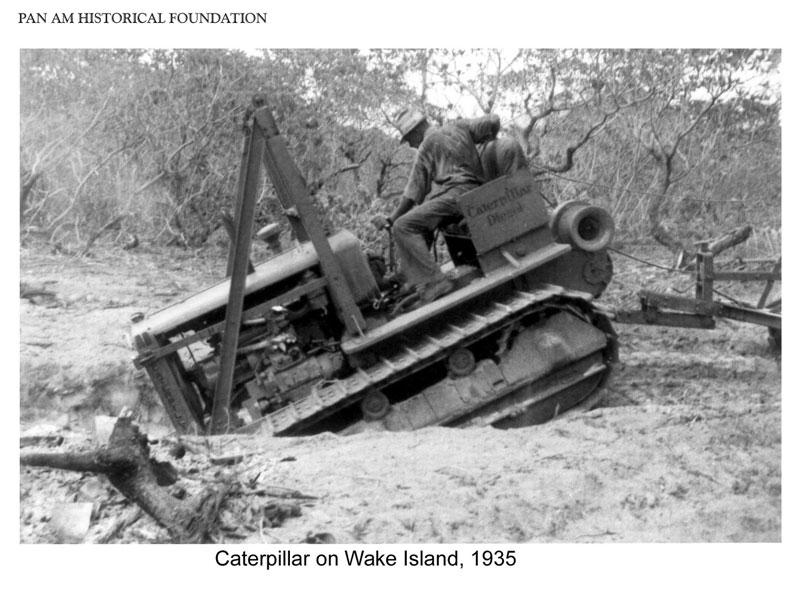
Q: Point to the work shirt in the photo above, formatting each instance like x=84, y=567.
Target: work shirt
x=448, y=158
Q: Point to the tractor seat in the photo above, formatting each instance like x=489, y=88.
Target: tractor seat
x=457, y=229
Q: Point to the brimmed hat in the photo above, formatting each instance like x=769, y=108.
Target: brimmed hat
x=406, y=119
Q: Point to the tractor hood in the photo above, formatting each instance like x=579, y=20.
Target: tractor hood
x=346, y=247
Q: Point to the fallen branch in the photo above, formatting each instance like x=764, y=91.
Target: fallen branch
x=41, y=440
x=126, y=462
x=719, y=245
x=730, y=239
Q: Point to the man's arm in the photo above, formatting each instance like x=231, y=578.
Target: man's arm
x=417, y=187
x=419, y=181
x=381, y=222
x=404, y=206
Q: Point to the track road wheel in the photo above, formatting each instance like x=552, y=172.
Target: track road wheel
x=461, y=362
x=375, y=406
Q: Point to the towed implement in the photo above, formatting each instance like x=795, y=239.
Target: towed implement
x=317, y=338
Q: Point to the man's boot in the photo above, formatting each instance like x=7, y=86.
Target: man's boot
x=434, y=290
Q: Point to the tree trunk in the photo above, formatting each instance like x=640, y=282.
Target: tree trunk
x=657, y=229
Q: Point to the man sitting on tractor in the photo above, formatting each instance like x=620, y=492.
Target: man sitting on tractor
x=457, y=157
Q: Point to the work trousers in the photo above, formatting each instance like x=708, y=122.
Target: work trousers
x=414, y=231
x=413, y=237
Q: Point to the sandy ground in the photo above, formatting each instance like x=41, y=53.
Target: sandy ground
x=686, y=446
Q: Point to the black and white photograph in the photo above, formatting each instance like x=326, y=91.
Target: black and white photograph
x=421, y=305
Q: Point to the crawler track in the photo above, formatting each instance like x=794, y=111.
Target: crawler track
x=550, y=351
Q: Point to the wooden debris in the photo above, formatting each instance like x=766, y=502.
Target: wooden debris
x=48, y=440
x=126, y=461
x=281, y=493
x=119, y=523
x=226, y=460
x=319, y=538
x=274, y=514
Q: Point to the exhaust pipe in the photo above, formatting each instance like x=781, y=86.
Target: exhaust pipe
x=583, y=226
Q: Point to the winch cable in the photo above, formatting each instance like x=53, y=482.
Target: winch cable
x=671, y=270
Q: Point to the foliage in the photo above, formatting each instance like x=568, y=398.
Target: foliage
x=676, y=143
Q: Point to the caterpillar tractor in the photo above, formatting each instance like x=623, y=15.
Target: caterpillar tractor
x=316, y=338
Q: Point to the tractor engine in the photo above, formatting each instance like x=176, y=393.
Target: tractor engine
x=279, y=361
x=288, y=342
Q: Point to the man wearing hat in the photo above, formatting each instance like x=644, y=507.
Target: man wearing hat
x=447, y=157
